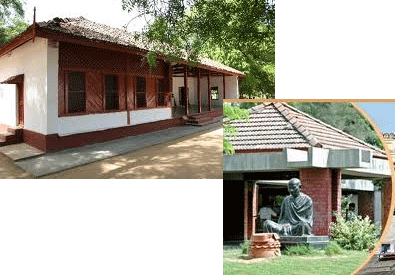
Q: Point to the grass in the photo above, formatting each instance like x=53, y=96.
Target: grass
x=318, y=263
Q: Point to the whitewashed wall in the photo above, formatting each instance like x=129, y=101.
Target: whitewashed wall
x=52, y=87
x=96, y=122
x=30, y=59
x=231, y=85
x=8, y=104
x=88, y=123
x=149, y=115
x=38, y=61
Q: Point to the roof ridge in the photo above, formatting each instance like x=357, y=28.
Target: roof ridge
x=312, y=140
x=256, y=108
x=337, y=130
x=389, y=135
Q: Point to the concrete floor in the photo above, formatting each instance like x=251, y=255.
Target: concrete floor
x=20, y=151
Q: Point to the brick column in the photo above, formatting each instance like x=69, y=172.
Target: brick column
x=386, y=201
x=317, y=183
x=247, y=210
x=336, y=192
x=366, y=204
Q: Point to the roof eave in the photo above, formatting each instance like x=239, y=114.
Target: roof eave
x=18, y=41
x=70, y=38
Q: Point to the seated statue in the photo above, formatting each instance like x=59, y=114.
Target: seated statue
x=296, y=217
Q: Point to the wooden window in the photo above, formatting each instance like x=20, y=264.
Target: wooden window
x=112, y=92
x=76, y=92
x=161, y=92
x=214, y=93
x=141, y=88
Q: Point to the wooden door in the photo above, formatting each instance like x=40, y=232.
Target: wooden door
x=182, y=96
x=21, y=113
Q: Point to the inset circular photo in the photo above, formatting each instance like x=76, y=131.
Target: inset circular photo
x=307, y=188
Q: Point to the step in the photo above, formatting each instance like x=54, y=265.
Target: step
x=199, y=115
x=11, y=137
x=198, y=118
x=202, y=123
x=201, y=120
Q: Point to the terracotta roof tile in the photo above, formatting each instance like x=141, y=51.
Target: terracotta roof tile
x=82, y=27
x=278, y=125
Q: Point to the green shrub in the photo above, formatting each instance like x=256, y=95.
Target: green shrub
x=333, y=248
x=355, y=234
x=299, y=250
x=245, y=247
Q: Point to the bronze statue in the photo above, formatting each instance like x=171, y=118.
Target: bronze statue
x=296, y=217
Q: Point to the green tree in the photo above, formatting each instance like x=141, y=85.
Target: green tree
x=343, y=116
x=10, y=31
x=10, y=8
x=238, y=33
x=11, y=20
x=231, y=112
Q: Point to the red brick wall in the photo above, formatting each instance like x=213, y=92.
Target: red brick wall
x=336, y=192
x=386, y=201
x=317, y=183
x=366, y=204
x=248, y=209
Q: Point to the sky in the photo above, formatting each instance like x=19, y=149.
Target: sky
x=108, y=12
x=382, y=113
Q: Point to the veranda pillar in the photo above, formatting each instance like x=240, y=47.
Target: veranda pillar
x=223, y=86
x=336, y=192
x=208, y=91
x=199, y=92
x=186, y=90
x=247, y=210
x=386, y=201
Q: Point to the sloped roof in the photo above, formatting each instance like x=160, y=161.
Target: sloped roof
x=84, y=28
x=389, y=139
x=278, y=125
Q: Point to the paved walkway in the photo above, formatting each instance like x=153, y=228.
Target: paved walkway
x=59, y=161
x=20, y=151
x=375, y=267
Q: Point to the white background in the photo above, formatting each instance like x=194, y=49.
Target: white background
x=111, y=227
x=324, y=49
x=335, y=49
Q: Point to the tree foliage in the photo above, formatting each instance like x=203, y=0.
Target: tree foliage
x=11, y=20
x=343, y=116
x=9, y=9
x=231, y=113
x=8, y=32
x=238, y=33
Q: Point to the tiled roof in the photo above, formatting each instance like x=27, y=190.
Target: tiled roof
x=81, y=27
x=389, y=135
x=278, y=125
x=389, y=139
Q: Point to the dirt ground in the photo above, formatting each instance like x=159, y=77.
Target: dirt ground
x=196, y=156
x=8, y=170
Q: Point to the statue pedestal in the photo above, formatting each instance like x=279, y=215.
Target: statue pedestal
x=314, y=241
x=265, y=245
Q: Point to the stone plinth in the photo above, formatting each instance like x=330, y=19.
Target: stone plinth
x=314, y=241
x=265, y=245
